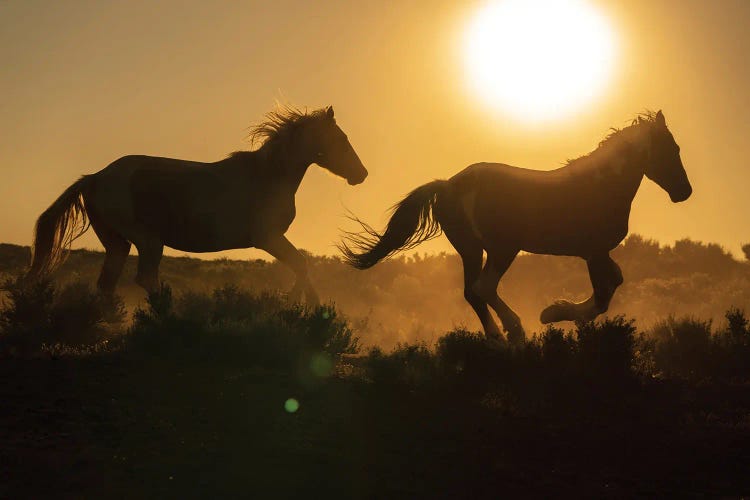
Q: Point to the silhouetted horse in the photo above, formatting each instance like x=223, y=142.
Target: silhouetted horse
x=581, y=209
x=245, y=200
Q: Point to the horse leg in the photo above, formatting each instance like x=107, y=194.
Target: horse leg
x=472, y=262
x=149, y=256
x=486, y=287
x=117, y=249
x=605, y=276
x=470, y=249
x=280, y=248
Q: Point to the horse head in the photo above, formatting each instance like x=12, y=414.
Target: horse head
x=663, y=164
x=331, y=149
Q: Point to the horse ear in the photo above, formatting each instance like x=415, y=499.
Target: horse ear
x=660, y=118
x=329, y=112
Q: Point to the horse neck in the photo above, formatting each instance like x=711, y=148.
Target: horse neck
x=618, y=174
x=286, y=163
x=629, y=180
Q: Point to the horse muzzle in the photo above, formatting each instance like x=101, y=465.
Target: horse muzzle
x=353, y=181
x=681, y=195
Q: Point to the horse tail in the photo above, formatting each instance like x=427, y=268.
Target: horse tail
x=412, y=222
x=58, y=226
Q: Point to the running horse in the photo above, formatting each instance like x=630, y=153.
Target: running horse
x=245, y=200
x=580, y=209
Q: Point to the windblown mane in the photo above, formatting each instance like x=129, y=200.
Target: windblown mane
x=279, y=124
x=616, y=137
x=282, y=122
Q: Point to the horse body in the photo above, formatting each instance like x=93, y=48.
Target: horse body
x=210, y=207
x=508, y=206
x=245, y=200
x=581, y=209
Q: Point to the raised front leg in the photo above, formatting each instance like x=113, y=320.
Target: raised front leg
x=285, y=252
x=605, y=276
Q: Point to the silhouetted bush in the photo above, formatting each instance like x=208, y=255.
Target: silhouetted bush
x=236, y=326
x=732, y=347
x=460, y=350
x=683, y=348
x=606, y=348
x=467, y=364
x=39, y=313
x=689, y=349
x=746, y=250
x=559, y=351
x=549, y=366
x=737, y=325
x=408, y=365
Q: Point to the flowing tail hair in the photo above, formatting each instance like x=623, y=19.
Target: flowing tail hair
x=56, y=229
x=412, y=222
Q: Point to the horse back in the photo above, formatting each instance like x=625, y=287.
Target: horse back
x=551, y=212
x=209, y=207
x=176, y=201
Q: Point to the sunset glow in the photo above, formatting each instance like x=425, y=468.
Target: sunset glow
x=538, y=60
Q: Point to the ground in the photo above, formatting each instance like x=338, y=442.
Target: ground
x=113, y=426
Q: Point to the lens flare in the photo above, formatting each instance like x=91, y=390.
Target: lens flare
x=291, y=405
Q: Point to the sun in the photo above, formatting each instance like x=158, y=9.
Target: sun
x=539, y=60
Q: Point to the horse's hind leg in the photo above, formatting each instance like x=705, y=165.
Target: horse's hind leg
x=605, y=276
x=471, y=251
x=116, y=248
x=150, y=251
x=494, y=269
x=472, y=261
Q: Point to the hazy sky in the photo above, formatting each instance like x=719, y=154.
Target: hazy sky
x=82, y=83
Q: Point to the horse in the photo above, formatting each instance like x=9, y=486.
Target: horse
x=244, y=200
x=580, y=209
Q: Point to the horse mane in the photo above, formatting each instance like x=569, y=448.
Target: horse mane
x=280, y=124
x=617, y=137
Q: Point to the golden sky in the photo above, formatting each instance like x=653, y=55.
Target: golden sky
x=83, y=83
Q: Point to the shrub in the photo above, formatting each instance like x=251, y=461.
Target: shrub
x=737, y=329
x=408, y=365
x=39, y=313
x=683, y=348
x=732, y=346
x=237, y=326
x=558, y=350
x=606, y=348
x=460, y=349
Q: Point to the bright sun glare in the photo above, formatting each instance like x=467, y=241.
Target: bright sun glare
x=539, y=60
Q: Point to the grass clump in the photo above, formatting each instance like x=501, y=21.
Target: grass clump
x=594, y=355
x=690, y=349
x=72, y=316
x=408, y=365
x=234, y=326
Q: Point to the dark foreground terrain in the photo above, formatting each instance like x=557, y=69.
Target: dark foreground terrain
x=118, y=428
x=192, y=401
